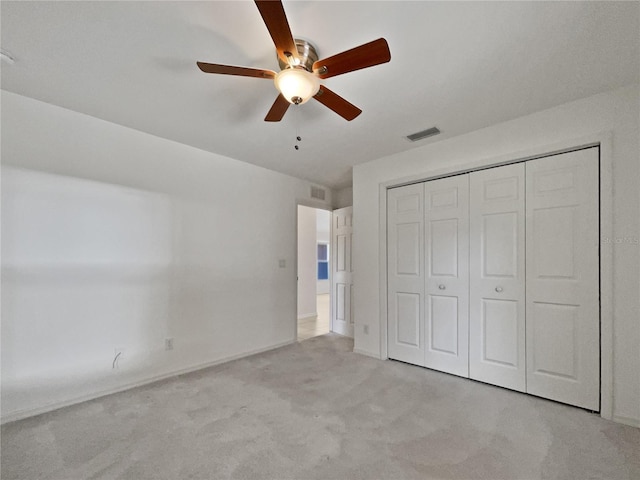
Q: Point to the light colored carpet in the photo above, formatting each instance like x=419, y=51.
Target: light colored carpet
x=315, y=410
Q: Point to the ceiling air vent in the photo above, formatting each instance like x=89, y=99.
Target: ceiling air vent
x=318, y=193
x=430, y=132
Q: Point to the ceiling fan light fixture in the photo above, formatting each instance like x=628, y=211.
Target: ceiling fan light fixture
x=297, y=85
x=301, y=71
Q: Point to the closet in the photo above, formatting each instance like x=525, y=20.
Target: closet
x=494, y=275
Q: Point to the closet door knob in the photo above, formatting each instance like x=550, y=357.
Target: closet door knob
x=441, y=287
x=498, y=289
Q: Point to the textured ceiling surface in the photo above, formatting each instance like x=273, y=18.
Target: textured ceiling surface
x=456, y=65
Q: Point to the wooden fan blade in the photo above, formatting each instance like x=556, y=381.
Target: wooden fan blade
x=336, y=103
x=231, y=70
x=275, y=19
x=278, y=109
x=367, y=55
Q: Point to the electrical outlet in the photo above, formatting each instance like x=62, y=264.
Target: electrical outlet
x=168, y=343
x=282, y=263
x=365, y=328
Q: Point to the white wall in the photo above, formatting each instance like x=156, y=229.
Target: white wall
x=313, y=228
x=116, y=239
x=343, y=198
x=307, y=262
x=323, y=235
x=616, y=112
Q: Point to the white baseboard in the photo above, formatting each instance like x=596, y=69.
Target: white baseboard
x=366, y=353
x=32, y=412
x=308, y=315
x=632, y=422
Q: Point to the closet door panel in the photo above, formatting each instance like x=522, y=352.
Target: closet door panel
x=405, y=273
x=563, y=351
x=447, y=275
x=497, y=277
x=500, y=332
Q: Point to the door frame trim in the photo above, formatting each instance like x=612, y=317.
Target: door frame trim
x=604, y=140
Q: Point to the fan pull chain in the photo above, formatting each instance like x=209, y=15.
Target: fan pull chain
x=297, y=122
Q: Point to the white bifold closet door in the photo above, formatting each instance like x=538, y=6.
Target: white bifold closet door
x=428, y=274
x=460, y=299
x=405, y=272
x=563, y=317
x=446, y=310
x=497, y=272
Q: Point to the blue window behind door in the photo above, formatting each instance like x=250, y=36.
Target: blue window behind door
x=323, y=261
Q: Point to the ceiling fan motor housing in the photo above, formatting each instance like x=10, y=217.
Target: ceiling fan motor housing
x=307, y=56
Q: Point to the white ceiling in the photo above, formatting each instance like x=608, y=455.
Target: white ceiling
x=459, y=66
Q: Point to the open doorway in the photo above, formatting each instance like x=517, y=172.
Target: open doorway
x=314, y=269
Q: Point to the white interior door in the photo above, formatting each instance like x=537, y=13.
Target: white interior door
x=563, y=350
x=405, y=274
x=446, y=241
x=497, y=277
x=342, y=271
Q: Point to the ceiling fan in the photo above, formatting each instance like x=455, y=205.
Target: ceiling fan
x=300, y=70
